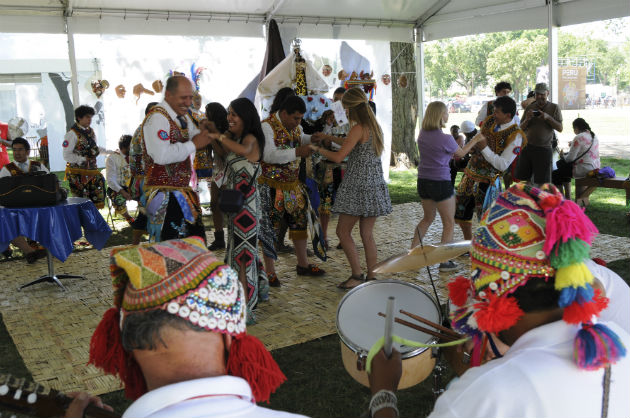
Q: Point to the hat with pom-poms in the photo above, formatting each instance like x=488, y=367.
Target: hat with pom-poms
x=186, y=280
x=531, y=233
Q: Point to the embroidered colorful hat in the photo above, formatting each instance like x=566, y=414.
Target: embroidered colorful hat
x=533, y=234
x=183, y=278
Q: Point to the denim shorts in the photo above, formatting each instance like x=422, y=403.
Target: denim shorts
x=436, y=190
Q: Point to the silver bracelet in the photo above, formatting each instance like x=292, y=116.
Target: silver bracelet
x=383, y=399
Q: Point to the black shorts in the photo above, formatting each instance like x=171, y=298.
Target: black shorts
x=436, y=190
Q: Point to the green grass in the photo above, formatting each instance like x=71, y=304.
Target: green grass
x=607, y=207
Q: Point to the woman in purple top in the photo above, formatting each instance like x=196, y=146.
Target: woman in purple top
x=434, y=176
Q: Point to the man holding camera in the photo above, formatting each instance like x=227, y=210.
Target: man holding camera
x=541, y=118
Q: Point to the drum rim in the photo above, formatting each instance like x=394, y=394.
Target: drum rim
x=346, y=340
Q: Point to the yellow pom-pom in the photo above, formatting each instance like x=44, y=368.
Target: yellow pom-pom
x=575, y=275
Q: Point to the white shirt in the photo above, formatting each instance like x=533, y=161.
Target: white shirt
x=483, y=114
x=114, y=164
x=68, y=151
x=162, y=151
x=4, y=172
x=587, y=162
x=538, y=378
x=503, y=161
x=275, y=155
x=618, y=293
x=222, y=396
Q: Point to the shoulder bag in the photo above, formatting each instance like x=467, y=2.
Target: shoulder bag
x=232, y=200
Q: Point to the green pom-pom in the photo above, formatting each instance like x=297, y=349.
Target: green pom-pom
x=570, y=252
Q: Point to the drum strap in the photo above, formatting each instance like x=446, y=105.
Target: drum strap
x=493, y=346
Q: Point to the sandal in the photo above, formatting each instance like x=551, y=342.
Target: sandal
x=345, y=284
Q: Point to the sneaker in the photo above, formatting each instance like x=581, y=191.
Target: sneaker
x=448, y=266
x=283, y=249
x=273, y=280
x=310, y=270
x=7, y=253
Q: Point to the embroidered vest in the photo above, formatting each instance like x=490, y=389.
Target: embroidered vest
x=136, y=165
x=16, y=171
x=86, y=147
x=478, y=169
x=281, y=176
x=490, y=108
x=174, y=174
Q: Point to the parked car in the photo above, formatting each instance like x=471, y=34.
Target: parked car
x=458, y=107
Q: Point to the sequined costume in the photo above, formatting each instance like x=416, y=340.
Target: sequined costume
x=82, y=173
x=136, y=165
x=479, y=172
x=287, y=195
x=172, y=206
x=203, y=157
x=243, y=228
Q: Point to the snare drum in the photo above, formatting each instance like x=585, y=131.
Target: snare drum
x=359, y=327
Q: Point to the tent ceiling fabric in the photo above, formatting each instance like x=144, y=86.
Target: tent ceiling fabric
x=350, y=19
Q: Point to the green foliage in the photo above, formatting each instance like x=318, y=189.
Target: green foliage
x=482, y=60
x=528, y=53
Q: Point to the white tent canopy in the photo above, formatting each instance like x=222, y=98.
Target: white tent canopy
x=392, y=20
x=359, y=20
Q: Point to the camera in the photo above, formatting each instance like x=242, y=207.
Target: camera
x=536, y=113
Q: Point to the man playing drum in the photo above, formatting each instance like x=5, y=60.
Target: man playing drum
x=529, y=287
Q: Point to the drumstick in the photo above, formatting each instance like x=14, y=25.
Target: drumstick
x=389, y=325
x=444, y=337
x=433, y=324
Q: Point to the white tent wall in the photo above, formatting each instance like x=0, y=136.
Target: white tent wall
x=378, y=53
x=229, y=63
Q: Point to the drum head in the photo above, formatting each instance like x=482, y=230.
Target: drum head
x=359, y=325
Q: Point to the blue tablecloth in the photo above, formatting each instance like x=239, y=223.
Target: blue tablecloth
x=55, y=227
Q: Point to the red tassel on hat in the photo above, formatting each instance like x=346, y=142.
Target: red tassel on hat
x=499, y=314
x=250, y=360
x=577, y=313
x=107, y=353
x=459, y=289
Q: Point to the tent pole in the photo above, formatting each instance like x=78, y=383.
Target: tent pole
x=420, y=82
x=73, y=62
x=552, y=51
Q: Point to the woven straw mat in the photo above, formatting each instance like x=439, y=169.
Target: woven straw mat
x=52, y=329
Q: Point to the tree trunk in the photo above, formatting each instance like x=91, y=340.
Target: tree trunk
x=404, y=104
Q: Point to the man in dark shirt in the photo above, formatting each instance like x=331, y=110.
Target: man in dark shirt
x=540, y=120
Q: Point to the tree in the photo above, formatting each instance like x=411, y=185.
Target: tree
x=404, y=103
x=516, y=60
x=439, y=76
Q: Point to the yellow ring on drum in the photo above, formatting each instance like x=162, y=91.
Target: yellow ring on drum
x=417, y=364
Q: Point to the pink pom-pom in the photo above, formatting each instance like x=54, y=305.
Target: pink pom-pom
x=459, y=290
x=565, y=221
